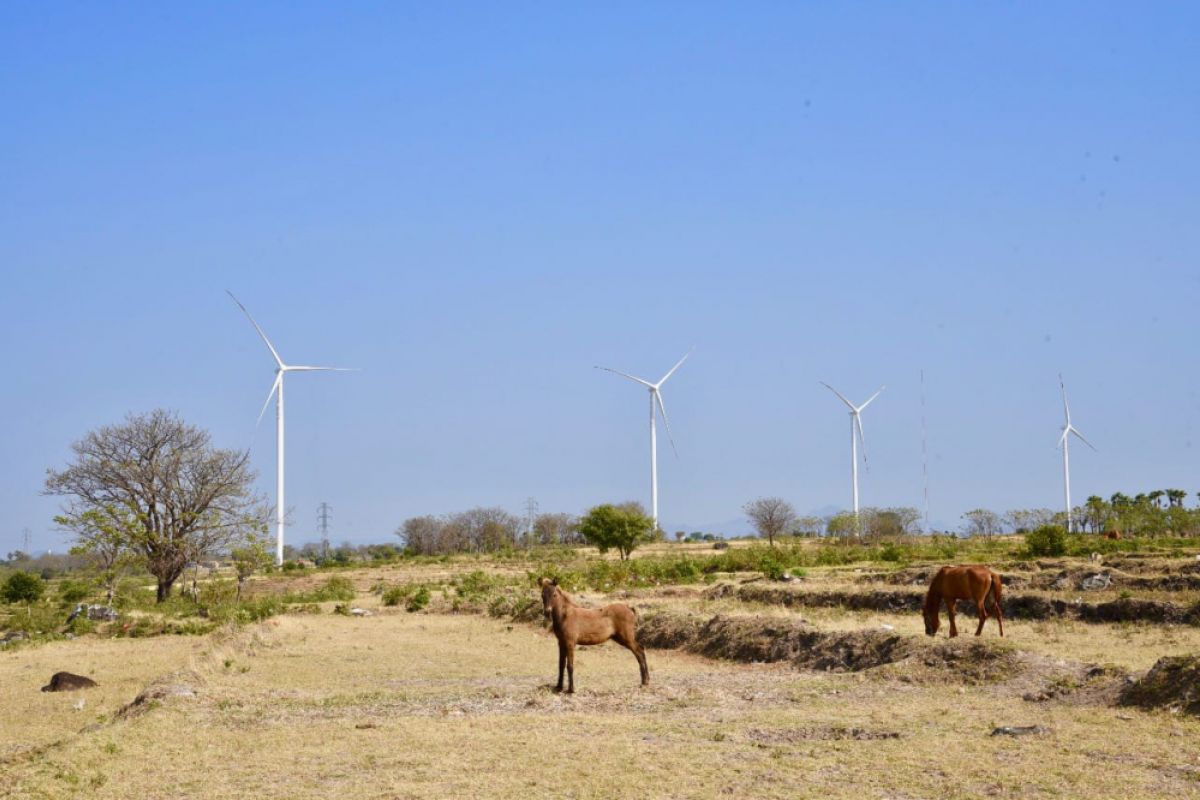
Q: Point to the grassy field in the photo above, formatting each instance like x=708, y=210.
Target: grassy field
x=434, y=704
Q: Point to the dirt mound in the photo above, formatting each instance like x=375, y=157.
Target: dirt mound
x=178, y=684
x=1172, y=683
x=759, y=639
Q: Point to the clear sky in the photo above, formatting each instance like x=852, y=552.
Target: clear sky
x=476, y=203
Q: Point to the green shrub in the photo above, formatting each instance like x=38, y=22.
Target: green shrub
x=1048, y=540
x=396, y=595
x=419, y=599
x=22, y=587
x=74, y=591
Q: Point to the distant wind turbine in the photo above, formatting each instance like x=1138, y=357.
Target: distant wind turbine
x=1067, y=430
x=277, y=390
x=856, y=429
x=655, y=397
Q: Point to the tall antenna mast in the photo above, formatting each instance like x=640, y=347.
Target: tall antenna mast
x=323, y=520
x=924, y=453
x=28, y=542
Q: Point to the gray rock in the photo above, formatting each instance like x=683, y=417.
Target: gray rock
x=1020, y=730
x=1099, y=580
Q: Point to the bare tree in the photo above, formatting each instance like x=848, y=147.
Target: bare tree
x=556, y=529
x=174, y=497
x=771, y=516
x=421, y=535
x=981, y=522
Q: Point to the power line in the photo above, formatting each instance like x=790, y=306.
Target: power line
x=531, y=509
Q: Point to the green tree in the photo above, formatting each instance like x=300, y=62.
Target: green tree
x=252, y=556
x=22, y=587
x=620, y=527
x=842, y=523
x=103, y=538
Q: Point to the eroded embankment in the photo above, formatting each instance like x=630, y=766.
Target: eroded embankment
x=1015, y=605
x=761, y=639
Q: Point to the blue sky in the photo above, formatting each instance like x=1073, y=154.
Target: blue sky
x=476, y=203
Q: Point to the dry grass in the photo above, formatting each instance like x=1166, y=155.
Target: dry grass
x=399, y=705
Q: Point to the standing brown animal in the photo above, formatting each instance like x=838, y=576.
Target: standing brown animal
x=574, y=625
x=975, y=583
x=1113, y=535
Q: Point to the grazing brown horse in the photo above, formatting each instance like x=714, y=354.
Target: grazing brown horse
x=975, y=583
x=1113, y=535
x=574, y=625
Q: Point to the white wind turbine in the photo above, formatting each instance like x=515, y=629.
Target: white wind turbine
x=1067, y=430
x=856, y=430
x=655, y=397
x=277, y=390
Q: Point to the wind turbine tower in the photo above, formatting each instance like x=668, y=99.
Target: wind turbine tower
x=1063, y=441
x=281, y=369
x=856, y=437
x=655, y=398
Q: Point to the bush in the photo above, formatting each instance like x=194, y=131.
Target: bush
x=1048, y=540
x=22, y=587
x=419, y=599
x=71, y=591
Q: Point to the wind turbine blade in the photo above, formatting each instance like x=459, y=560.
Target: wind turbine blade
x=840, y=395
x=270, y=346
x=678, y=364
x=270, y=394
x=1062, y=440
x=1066, y=409
x=322, y=369
x=862, y=439
x=645, y=383
x=666, y=422
x=1075, y=431
x=864, y=405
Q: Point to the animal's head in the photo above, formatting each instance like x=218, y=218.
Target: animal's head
x=549, y=589
x=932, y=619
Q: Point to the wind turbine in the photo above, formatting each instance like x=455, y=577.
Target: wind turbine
x=1067, y=430
x=277, y=390
x=655, y=397
x=855, y=429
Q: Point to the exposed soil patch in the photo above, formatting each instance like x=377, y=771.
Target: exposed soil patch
x=1172, y=683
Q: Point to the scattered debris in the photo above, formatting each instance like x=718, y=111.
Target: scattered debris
x=361, y=612
x=99, y=613
x=12, y=637
x=79, y=705
x=67, y=682
x=1020, y=730
x=362, y=726
x=825, y=733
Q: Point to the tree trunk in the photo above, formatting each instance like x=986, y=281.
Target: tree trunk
x=164, y=589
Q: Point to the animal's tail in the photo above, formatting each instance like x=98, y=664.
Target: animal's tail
x=993, y=592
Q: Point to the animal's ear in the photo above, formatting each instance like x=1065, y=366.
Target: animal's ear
x=554, y=581
x=544, y=581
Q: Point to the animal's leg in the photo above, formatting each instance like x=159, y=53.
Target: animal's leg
x=950, y=614
x=999, y=614
x=570, y=669
x=562, y=664
x=640, y=652
x=982, y=616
